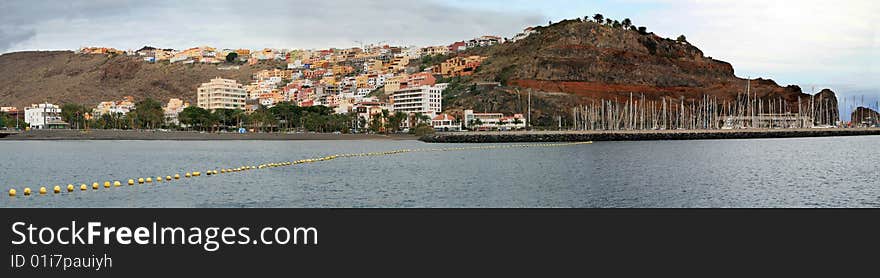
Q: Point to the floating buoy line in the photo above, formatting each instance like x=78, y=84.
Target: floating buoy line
x=170, y=178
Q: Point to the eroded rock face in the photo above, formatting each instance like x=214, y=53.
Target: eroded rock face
x=825, y=108
x=865, y=116
x=596, y=61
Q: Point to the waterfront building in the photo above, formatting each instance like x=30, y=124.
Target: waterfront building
x=767, y=120
x=423, y=99
x=44, y=116
x=114, y=107
x=487, y=121
x=368, y=109
x=221, y=93
x=445, y=122
x=173, y=109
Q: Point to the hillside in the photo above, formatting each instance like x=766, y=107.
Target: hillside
x=565, y=64
x=62, y=77
x=586, y=61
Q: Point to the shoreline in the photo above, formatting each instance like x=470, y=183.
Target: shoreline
x=155, y=135
x=639, y=135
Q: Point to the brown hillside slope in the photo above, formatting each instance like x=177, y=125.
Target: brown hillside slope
x=594, y=60
x=63, y=77
x=590, y=61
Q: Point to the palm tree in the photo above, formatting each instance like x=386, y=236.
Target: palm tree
x=517, y=121
x=475, y=124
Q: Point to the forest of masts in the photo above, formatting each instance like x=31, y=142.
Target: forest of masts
x=746, y=111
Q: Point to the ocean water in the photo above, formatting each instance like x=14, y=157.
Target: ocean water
x=801, y=172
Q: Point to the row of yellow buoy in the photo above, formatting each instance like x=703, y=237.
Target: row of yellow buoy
x=107, y=184
x=96, y=186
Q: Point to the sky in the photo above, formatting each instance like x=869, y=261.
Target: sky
x=810, y=43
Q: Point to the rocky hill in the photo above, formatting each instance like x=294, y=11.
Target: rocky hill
x=63, y=77
x=864, y=115
x=587, y=60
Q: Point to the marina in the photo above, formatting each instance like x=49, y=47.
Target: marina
x=641, y=135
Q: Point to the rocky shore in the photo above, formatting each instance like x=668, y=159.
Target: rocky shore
x=187, y=135
x=577, y=136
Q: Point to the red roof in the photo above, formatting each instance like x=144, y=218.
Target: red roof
x=443, y=117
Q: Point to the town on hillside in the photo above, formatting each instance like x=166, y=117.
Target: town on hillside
x=379, y=88
x=373, y=88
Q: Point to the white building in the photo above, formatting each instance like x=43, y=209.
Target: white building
x=44, y=116
x=221, y=94
x=425, y=99
x=525, y=34
x=445, y=122
x=173, y=109
x=487, y=121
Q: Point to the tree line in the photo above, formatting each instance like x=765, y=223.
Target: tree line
x=148, y=114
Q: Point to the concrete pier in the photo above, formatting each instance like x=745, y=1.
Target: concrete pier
x=640, y=135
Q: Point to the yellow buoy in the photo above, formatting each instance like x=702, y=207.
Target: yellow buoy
x=117, y=184
x=27, y=191
x=176, y=176
x=95, y=186
x=83, y=187
x=196, y=174
x=11, y=192
x=149, y=180
x=42, y=190
x=106, y=184
x=187, y=175
x=140, y=180
x=130, y=182
x=159, y=179
x=70, y=188
x=168, y=178
x=56, y=189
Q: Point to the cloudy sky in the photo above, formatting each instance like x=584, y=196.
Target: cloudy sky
x=810, y=43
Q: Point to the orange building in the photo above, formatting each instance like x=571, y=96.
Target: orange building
x=459, y=66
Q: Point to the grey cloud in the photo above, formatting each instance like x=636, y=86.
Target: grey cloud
x=10, y=37
x=257, y=23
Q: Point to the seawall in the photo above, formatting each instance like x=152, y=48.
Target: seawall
x=642, y=135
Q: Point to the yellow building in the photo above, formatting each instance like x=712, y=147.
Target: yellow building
x=435, y=50
x=362, y=80
x=329, y=80
x=339, y=70
x=395, y=83
x=266, y=74
x=459, y=66
x=221, y=93
x=398, y=64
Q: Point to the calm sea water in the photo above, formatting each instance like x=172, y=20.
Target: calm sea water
x=809, y=172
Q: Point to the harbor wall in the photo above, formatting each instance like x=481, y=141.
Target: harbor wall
x=580, y=136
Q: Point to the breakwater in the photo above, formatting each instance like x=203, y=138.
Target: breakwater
x=641, y=135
